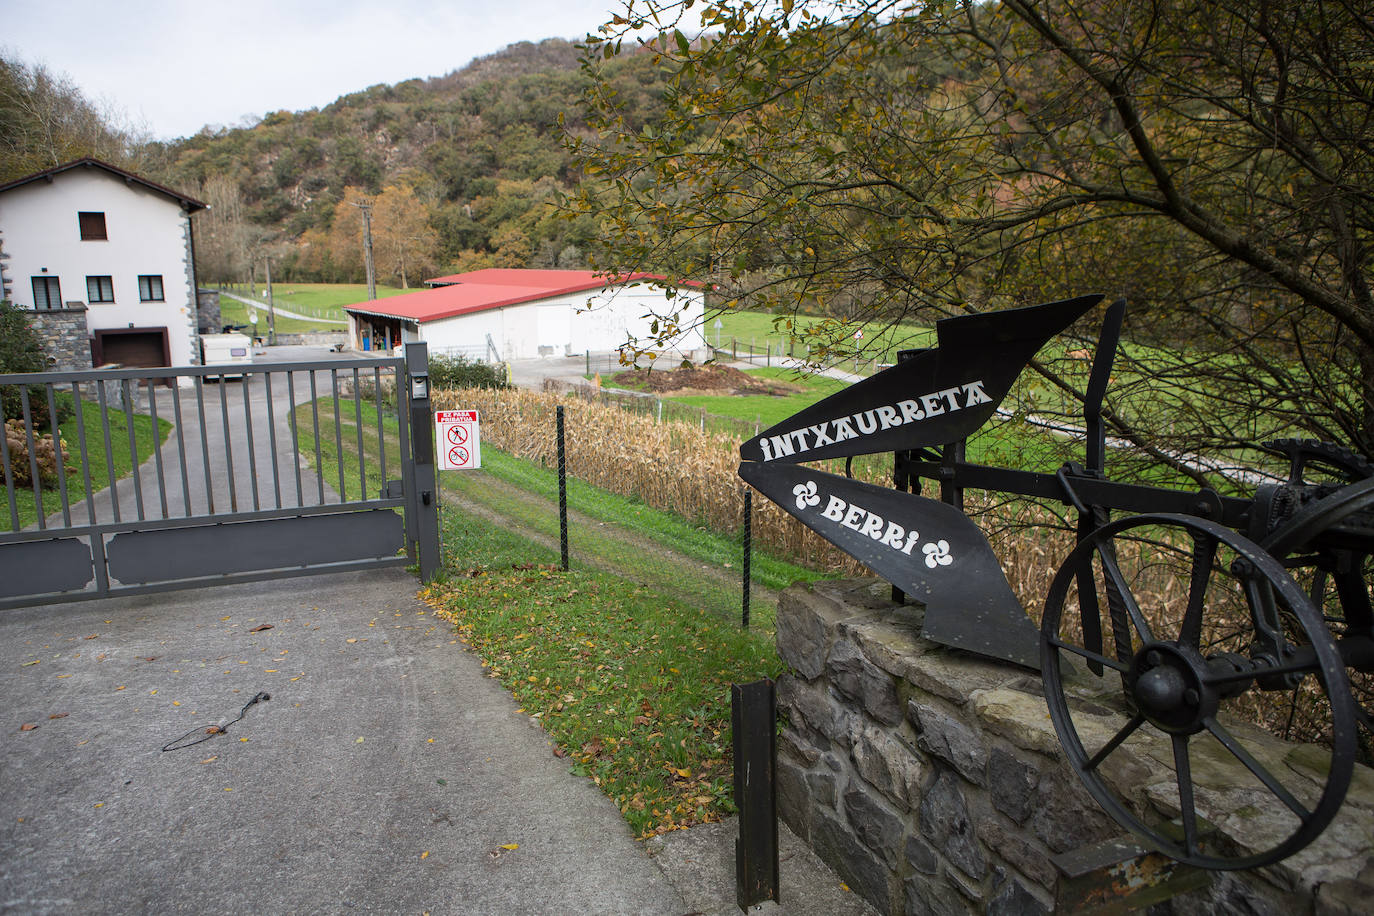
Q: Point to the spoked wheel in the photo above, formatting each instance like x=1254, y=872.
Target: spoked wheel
x=1200, y=631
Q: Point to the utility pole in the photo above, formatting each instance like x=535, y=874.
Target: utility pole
x=366, y=207
x=271, y=307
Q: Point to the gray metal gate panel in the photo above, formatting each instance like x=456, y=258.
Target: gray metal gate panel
x=232, y=494
x=170, y=554
x=53, y=565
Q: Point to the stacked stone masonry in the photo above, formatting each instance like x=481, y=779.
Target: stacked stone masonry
x=208, y=320
x=66, y=341
x=932, y=780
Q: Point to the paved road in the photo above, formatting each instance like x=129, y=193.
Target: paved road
x=386, y=774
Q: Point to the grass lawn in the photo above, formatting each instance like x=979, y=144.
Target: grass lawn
x=124, y=461
x=326, y=300
x=631, y=684
x=233, y=311
x=318, y=300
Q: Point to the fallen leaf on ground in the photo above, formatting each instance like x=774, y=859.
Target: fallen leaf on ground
x=59, y=715
x=27, y=727
x=209, y=759
x=260, y=627
x=34, y=662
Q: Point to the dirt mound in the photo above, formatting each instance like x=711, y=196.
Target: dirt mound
x=702, y=379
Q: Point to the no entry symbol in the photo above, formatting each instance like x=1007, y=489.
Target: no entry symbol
x=459, y=436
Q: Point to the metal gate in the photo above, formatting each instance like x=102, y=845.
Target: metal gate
x=267, y=470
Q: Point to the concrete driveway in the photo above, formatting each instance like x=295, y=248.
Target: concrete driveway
x=386, y=774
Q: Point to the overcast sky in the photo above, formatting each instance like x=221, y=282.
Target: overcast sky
x=173, y=66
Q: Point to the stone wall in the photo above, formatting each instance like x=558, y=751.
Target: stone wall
x=933, y=783
x=66, y=340
x=208, y=320
x=314, y=339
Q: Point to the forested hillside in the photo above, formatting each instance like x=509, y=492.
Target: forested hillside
x=457, y=171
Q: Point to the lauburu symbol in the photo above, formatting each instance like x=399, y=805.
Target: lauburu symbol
x=937, y=554
x=806, y=494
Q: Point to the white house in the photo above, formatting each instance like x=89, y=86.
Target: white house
x=510, y=314
x=89, y=236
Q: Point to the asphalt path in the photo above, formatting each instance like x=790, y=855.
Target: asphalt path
x=386, y=774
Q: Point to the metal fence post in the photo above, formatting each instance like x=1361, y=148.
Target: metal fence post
x=562, y=490
x=748, y=549
x=424, y=501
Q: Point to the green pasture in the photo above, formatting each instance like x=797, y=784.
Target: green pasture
x=317, y=300
x=746, y=332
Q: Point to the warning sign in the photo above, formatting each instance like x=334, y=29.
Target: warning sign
x=459, y=439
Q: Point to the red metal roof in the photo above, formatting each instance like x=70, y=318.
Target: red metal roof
x=493, y=288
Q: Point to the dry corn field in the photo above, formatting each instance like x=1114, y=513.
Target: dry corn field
x=682, y=468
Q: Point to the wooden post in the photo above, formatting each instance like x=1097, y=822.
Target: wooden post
x=753, y=714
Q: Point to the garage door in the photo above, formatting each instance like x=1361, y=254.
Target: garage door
x=134, y=350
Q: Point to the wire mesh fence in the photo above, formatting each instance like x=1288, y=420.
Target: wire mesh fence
x=656, y=500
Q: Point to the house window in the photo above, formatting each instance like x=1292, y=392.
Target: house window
x=99, y=289
x=92, y=226
x=47, y=293
x=150, y=288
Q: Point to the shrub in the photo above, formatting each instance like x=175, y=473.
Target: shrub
x=459, y=372
x=44, y=451
x=21, y=350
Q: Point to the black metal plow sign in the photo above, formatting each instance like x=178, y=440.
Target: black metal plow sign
x=928, y=549
x=938, y=396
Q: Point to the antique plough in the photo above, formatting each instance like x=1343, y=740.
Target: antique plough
x=1187, y=622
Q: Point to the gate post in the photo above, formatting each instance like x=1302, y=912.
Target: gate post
x=424, y=501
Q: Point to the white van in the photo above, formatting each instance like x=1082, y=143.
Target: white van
x=226, y=349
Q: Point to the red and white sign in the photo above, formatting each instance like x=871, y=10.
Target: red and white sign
x=459, y=440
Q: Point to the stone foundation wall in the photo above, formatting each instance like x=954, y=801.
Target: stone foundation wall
x=933, y=783
x=66, y=341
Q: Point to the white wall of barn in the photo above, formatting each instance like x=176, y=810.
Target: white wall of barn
x=570, y=325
